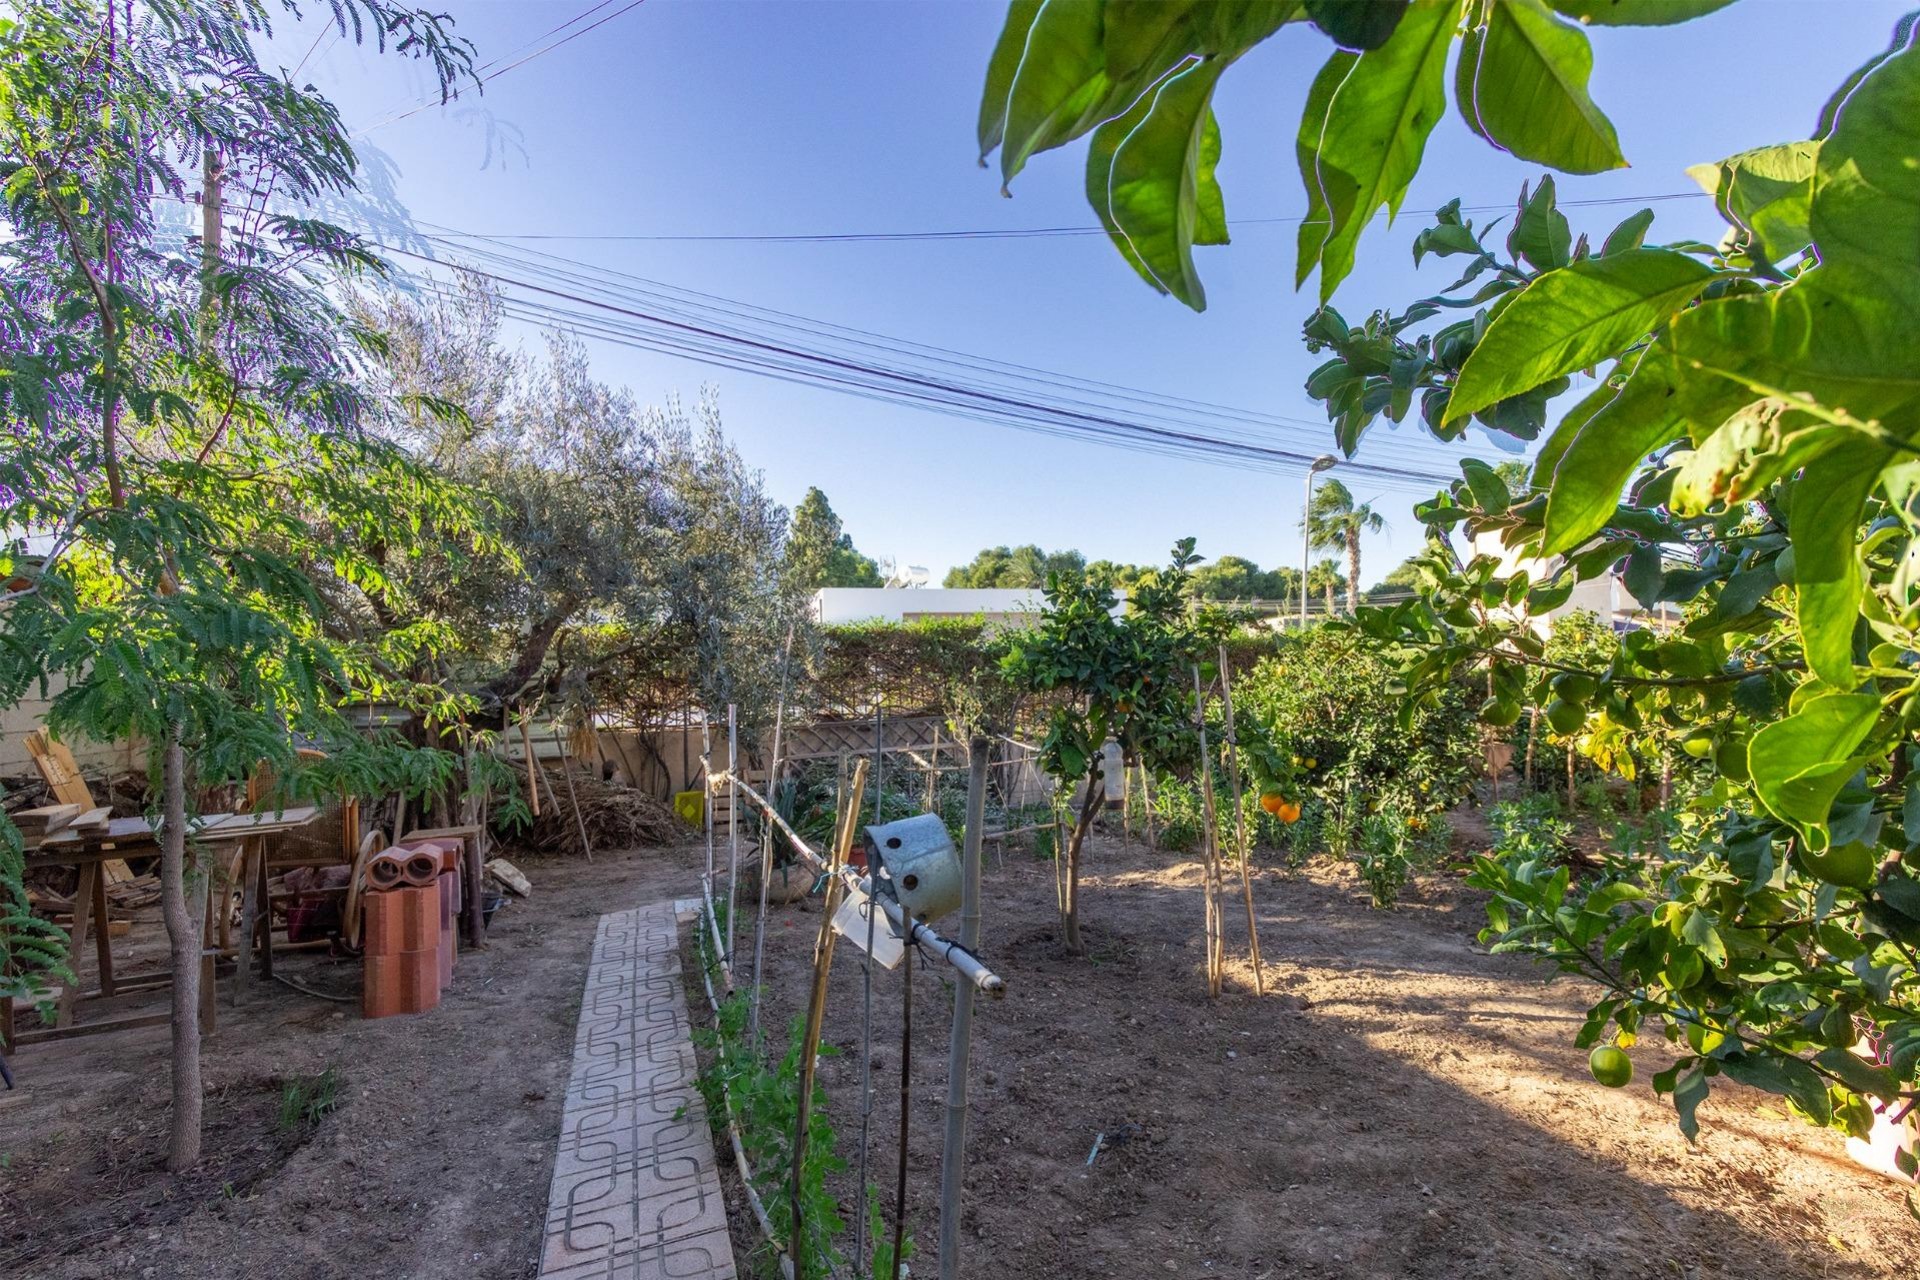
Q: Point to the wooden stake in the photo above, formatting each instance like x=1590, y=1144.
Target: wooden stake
x=817, y=1007
x=1209, y=848
x=1146, y=799
x=573, y=799
x=533, y=779
x=1240, y=827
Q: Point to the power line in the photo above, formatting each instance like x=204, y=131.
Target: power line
x=822, y=368
x=948, y=363
x=1004, y=233
x=490, y=76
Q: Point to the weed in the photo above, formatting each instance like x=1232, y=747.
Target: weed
x=306, y=1100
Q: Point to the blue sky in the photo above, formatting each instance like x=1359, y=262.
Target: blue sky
x=809, y=116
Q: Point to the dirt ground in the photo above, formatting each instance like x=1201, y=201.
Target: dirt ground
x=1400, y=1104
x=434, y=1164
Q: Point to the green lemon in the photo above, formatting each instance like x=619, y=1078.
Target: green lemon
x=1499, y=712
x=1731, y=759
x=1698, y=745
x=1565, y=717
x=1573, y=687
x=1610, y=1066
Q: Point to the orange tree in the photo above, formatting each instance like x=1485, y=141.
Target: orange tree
x=1113, y=677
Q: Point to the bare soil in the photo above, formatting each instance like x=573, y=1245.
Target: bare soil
x=435, y=1163
x=1399, y=1104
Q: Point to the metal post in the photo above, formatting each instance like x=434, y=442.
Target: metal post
x=706, y=799
x=1319, y=464
x=733, y=824
x=953, y=1153
x=766, y=846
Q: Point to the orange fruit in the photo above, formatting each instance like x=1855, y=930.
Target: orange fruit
x=1288, y=812
x=1273, y=802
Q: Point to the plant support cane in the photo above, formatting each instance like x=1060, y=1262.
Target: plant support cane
x=1211, y=847
x=1242, y=847
x=816, y=1011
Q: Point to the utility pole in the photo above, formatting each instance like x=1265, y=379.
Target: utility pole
x=1324, y=462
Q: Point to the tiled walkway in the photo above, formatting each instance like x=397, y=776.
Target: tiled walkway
x=635, y=1194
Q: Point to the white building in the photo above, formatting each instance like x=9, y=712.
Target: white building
x=1004, y=606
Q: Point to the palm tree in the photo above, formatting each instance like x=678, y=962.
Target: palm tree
x=1324, y=576
x=1334, y=522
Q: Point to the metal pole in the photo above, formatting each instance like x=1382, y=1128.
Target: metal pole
x=766, y=846
x=1306, y=547
x=953, y=1152
x=706, y=798
x=733, y=824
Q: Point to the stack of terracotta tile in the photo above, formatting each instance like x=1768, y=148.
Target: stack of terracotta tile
x=409, y=936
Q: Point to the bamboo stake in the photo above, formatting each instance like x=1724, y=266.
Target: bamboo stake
x=706, y=795
x=1215, y=955
x=1146, y=798
x=817, y=1007
x=953, y=1151
x=533, y=783
x=1240, y=827
x=573, y=798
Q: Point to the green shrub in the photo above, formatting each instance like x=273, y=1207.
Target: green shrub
x=1332, y=700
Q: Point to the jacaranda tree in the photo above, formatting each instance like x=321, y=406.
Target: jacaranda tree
x=189, y=450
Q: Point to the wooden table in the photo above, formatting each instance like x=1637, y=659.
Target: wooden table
x=89, y=852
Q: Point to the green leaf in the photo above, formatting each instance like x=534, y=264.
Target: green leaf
x=1699, y=931
x=1572, y=319
x=1629, y=235
x=1357, y=24
x=1540, y=235
x=1489, y=491
x=1768, y=192
x=1375, y=131
x=1527, y=90
x=1636, y=13
x=1150, y=177
x=1865, y=208
x=1007, y=51
x=1326, y=191
x=1564, y=433
x=1798, y=764
x=1824, y=522
x=1783, y=1074
x=1053, y=89
x=1689, y=1091
x=1595, y=465
x=1902, y=38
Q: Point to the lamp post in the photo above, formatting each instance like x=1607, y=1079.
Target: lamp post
x=1324, y=462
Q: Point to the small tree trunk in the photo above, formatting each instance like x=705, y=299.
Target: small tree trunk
x=183, y=937
x=1353, y=571
x=1572, y=803
x=1533, y=736
x=1089, y=809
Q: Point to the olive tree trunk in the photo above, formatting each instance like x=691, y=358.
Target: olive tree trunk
x=180, y=890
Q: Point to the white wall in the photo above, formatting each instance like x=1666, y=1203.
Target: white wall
x=17, y=722
x=882, y=604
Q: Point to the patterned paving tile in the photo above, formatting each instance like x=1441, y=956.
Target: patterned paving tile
x=635, y=1195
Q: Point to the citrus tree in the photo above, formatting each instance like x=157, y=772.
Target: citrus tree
x=1748, y=450
x=1749, y=454
x=1139, y=77
x=1112, y=677
x=189, y=447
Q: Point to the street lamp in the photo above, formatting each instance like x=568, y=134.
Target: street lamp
x=1324, y=462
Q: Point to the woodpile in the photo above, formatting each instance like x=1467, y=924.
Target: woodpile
x=615, y=816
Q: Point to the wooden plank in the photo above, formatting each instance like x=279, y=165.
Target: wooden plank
x=93, y=819
x=47, y=819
